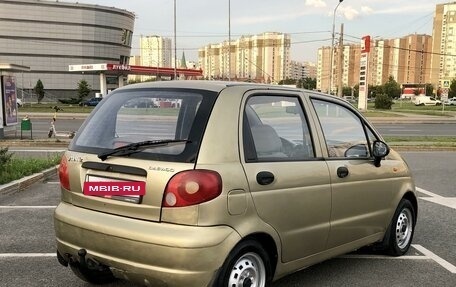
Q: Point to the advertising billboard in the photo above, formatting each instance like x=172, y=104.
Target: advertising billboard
x=9, y=100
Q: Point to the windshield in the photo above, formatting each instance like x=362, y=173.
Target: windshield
x=140, y=115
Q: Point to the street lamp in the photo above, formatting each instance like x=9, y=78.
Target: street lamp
x=158, y=55
x=332, y=48
x=229, y=40
x=175, y=45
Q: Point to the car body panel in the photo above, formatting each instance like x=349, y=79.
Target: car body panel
x=307, y=213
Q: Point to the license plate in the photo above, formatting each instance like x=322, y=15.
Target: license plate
x=112, y=188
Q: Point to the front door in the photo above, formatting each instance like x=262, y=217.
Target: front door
x=361, y=192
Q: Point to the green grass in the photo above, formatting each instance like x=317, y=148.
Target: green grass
x=49, y=108
x=17, y=168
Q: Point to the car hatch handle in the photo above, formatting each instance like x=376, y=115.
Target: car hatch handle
x=342, y=171
x=265, y=177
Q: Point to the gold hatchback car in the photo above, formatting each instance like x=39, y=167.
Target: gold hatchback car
x=206, y=183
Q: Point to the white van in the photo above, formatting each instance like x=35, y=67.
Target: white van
x=426, y=101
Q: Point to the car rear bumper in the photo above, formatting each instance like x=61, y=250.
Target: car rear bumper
x=151, y=253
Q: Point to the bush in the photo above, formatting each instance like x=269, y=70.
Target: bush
x=5, y=158
x=383, y=102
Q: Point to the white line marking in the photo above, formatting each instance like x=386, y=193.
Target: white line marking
x=53, y=182
x=445, y=201
x=427, y=192
x=27, y=207
x=411, y=257
x=442, y=262
x=22, y=255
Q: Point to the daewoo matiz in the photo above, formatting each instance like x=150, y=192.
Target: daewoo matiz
x=226, y=184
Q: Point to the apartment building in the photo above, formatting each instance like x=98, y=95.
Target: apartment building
x=443, y=62
x=155, y=51
x=262, y=58
x=302, y=70
x=406, y=59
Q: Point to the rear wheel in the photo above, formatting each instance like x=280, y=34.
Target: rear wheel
x=401, y=230
x=248, y=265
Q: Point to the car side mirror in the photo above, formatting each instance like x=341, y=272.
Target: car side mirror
x=380, y=150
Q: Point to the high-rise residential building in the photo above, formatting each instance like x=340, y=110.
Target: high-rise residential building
x=302, y=70
x=406, y=59
x=155, y=51
x=443, y=61
x=134, y=61
x=262, y=58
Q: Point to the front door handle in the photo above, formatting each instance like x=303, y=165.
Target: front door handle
x=342, y=171
x=265, y=177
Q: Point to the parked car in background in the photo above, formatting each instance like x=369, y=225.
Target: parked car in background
x=19, y=102
x=91, y=102
x=451, y=102
x=234, y=184
x=350, y=99
x=426, y=101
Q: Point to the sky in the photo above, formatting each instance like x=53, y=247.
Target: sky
x=309, y=22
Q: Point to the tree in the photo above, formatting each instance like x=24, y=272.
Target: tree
x=307, y=83
x=392, y=88
x=452, y=90
x=346, y=91
x=83, y=90
x=39, y=90
x=429, y=90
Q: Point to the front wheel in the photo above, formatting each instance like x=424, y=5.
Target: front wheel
x=248, y=265
x=401, y=229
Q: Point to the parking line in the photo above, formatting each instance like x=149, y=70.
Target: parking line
x=24, y=255
x=427, y=192
x=410, y=257
x=442, y=262
x=438, y=199
x=28, y=207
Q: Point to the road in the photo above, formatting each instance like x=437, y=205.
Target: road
x=27, y=245
x=41, y=127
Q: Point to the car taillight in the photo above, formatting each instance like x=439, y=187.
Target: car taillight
x=63, y=173
x=192, y=187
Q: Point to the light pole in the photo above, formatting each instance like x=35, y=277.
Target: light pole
x=175, y=46
x=332, y=48
x=158, y=55
x=229, y=40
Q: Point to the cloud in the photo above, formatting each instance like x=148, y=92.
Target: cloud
x=367, y=10
x=316, y=3
x=349, y=12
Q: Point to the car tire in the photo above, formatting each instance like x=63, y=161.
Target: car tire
x=248, y=264
x=96, y=277
x=400, y=234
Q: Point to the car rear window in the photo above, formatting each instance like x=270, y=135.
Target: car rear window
x=137, y=115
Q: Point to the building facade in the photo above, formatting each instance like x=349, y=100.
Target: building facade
x=262, y=58
x=48, y=36
x=302, y=70
x=443, y=61
x=406, y=59
x=155, y=51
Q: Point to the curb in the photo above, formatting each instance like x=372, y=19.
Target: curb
x=23, y=183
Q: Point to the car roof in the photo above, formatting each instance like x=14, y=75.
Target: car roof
x=217, y=86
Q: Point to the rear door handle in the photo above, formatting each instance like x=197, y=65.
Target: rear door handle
x=265, y=177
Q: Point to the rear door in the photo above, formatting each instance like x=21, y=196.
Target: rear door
x=288, y=180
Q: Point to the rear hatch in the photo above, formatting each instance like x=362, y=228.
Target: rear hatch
x=137, y=139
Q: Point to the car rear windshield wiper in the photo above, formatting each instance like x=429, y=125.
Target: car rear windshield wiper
x=137, y=147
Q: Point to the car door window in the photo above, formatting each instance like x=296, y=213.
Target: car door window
x=343, y=130
x=276, y=129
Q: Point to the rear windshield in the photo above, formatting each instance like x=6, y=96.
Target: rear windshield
x=138, y=115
